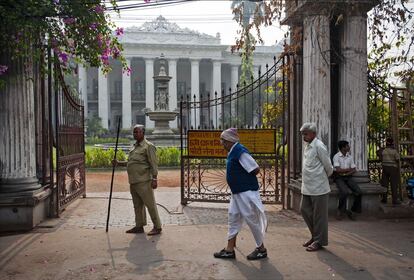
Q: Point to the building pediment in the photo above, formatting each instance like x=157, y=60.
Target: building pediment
x=161, y=31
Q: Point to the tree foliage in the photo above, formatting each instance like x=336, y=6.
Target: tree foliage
x=75, y=30
x=391, y=26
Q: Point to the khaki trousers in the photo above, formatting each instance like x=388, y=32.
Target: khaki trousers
x=143, y=196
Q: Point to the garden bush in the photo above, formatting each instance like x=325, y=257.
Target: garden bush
x=101, y=140
x=100, y=158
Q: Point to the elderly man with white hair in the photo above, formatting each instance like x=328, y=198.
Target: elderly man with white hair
x=245, y=203
x=316, y=168
x=142, y=168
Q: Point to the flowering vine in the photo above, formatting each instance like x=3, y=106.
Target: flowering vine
x=78, y=31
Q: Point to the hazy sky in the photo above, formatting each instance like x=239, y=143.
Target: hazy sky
x=207, y=17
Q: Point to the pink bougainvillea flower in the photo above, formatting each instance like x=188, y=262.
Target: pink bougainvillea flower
x=147, y=1
x=119, y=31
x=68, y=20
x=105, y=59
x=99, y=9
x=63, y=57
x=116, y=52
x=93, y=26
x=128, y=71
x=3, y=69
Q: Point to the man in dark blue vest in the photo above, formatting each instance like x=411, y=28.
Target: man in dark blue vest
x=245, y=203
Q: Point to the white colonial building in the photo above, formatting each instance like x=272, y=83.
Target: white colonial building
x=198, y=64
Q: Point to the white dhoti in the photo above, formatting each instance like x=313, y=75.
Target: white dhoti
x=249, y=207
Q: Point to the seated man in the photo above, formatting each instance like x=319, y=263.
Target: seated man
x=344, y=167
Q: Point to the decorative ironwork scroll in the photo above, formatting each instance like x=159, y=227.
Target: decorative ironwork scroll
x=259, y=111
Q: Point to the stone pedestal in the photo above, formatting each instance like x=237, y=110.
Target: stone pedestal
x=162, y=120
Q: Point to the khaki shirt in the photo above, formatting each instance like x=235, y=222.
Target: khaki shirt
x=142, y=162
x=390, y=157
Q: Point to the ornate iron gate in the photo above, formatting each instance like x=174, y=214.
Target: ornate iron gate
x=258, y=109
x=70, y=145
x=390, y=115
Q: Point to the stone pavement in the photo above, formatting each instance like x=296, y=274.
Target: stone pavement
x=77, y=247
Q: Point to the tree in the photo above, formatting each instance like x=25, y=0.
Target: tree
x=75, y=30
x=391, y=27
x=95, y=128
x=244, y=12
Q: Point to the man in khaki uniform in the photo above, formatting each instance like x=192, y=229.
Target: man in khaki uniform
x=390, y=174
x=142, y=168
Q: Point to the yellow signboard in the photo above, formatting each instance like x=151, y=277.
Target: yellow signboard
x=206, y=143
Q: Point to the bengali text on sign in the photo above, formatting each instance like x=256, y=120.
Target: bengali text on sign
x=206, y=143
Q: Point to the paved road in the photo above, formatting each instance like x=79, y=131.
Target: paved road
x=77, y=247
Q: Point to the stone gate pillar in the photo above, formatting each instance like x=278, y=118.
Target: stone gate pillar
x=353, y=110
x=22, y=198
x=316, y=104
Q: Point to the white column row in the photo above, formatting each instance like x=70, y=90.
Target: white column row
x=104, y=100
x=149, y=89
x=126, y=98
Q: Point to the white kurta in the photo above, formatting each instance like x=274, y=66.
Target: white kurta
x=247, y=206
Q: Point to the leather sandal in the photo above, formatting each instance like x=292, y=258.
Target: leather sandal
x=136, y=230
x=315, y=246
x=307, y=243
x=155, y=231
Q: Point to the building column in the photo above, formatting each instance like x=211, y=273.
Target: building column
x=103, y=99
x=23, y=201
x=256, y=71
x=316, y=104
x=126, y=97
x=217, y=88
x=195, y=90
x=83, y=87
x=172, y=69
x=234, y=82
x=149, y=89
x=353, y=88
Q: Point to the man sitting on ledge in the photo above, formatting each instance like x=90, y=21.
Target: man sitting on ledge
x=344, y=167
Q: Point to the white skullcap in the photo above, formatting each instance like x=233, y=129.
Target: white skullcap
x=230, y=135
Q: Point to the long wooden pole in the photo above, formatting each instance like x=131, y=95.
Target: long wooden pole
x=113, y=172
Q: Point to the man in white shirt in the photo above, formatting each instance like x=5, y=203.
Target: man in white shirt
x=344, y=167
x=316, y=168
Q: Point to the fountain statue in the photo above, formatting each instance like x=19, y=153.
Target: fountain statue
x=161, y=115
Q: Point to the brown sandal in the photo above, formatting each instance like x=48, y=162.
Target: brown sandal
x=315, y=246
x=136, y=230
x=307, y=243
x=154, y=231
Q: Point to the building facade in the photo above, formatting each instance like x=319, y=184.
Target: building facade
x=198, y=64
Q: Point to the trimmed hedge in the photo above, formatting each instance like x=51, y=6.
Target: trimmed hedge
x=101, y=140
x=100, y=158
x=95, y=157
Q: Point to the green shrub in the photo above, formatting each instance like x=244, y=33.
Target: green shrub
x=100, y=140
x=102, y=158
x=168, y=156
x=98, y=158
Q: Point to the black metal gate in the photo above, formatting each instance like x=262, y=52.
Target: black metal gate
x=390, y=115
x=256, y=109
x=70, y=145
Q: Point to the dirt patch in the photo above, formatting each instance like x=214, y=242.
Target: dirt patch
x=100, y=181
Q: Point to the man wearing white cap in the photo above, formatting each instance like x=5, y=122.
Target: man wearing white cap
x=245, y=202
